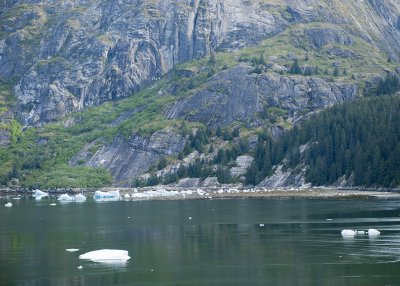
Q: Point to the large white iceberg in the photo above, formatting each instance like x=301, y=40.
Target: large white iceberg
x=106, y=196
x=106, y=255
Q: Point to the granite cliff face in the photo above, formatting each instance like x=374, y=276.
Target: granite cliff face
x=128, y=158
x=66, y=56
x=238, y=95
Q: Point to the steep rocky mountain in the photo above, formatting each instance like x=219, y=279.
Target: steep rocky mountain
x=66, y=56
x=183, y=66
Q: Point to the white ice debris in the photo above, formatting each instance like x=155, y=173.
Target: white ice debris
x=127, y=197
x=72, y=249
x=80, y=198
x=190, y=217
x=53, y=204
x=106, y=196
x=348, y=232
x=68, y=198
x=39, y=193
x=351, y=232
x=261, y=225
x=8, y=205
x=106, y=255
x=80, y=267
x=373, y=232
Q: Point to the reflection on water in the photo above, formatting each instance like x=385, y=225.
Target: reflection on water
x=225, y=242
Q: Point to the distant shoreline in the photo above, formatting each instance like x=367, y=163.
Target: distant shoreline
x=173, y=193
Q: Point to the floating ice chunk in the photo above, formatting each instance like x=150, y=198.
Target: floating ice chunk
x=373, y=232
x=348, y=232
x=328, y=219
x=80, y=198
x=190, y=217
x=66, y=198
x=361, y=232
x=369, y=232
x=39, y=198
x=261, y=225
x=80, y=267
x=127, y=197
x=17, y=198
x=106, y=196
x=39, y=193
x=72, y=249
x=53, y=204
x=8, y=205
x=106, y=255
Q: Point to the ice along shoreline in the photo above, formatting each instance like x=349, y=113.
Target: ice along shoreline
x=174, y=193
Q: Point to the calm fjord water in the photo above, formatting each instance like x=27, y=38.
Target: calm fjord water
x=201, y=242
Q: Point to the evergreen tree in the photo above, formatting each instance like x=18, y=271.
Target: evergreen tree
x=336, y=72
x=295, y=68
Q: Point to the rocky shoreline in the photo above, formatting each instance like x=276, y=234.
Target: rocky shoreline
x=169, y=193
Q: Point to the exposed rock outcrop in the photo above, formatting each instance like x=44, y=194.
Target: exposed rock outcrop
x=237, y=94
x=282, y=178
x=127, y=159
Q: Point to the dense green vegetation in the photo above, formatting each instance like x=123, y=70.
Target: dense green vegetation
x=359, y=140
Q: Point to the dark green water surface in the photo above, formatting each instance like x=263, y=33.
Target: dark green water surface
x=222, y=244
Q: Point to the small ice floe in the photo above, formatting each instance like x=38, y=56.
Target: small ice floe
x=39, y=193
x=373, y=232
x=53, y=204
x=329, y=219
x=350, y=232
x=66, y=198
x=72, y=249
x=80, y=198
x=106, y=196
x=17, y=198
x=127, y=197
x=106, y=255
x=261, y=225
x=80, y=267
x=190, y=217
x=8, y=205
